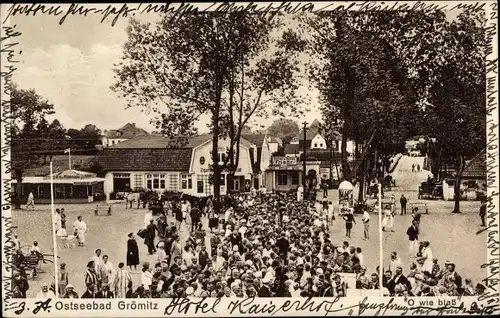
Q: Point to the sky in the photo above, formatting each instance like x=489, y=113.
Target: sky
x=72, y=66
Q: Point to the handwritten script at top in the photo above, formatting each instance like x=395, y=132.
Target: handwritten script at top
x=114, y=12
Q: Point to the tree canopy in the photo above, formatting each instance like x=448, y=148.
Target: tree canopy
x=227, y=65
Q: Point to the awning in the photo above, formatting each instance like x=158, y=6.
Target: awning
x=285, y=168
x=43, y=180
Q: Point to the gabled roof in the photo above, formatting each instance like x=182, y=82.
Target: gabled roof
x=127, y=132
x=256, y=139
x=476, y=168
x=153, y=159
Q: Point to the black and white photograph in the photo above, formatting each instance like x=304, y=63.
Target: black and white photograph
x=298, y=151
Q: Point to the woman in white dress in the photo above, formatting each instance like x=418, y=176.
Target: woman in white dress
x=427, y=257
x=80, y=227
x=387, y=220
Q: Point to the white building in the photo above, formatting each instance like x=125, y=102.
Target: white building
x=129, y=131
x=182, y=164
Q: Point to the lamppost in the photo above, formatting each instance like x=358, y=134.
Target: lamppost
x=304, y=160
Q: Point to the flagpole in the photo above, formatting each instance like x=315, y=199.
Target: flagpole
x=380, y=237
x=54, y=237
x=69, y=154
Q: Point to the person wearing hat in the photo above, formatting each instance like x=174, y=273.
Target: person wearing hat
x=63, y=279
x=450, y=276
x=70, y=292
x=20, y=285
x=132, y=252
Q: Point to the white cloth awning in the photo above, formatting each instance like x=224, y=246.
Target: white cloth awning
x=345, y=186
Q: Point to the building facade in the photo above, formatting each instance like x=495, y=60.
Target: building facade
x=161, y=164
x=116, y=136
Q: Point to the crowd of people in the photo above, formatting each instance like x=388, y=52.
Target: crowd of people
x=426, y=277
x=261, y=246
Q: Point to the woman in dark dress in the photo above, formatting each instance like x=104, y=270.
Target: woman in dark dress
x=132, y=252
x=349, y=219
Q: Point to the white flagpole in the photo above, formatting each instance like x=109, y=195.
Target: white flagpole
x=69, y=154
x=54, y=237
x=381, y=239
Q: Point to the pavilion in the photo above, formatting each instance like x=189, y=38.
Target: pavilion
x=69, y=186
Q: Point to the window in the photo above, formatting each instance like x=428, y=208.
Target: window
x=138, y=182
x=321, y=145
x=315, y=145
x=282, y=177
x=202, y=160
x=186, y=181
x=295, y=177
x=236, y=183
x=156, y=181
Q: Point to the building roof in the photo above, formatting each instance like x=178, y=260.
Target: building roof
x=256, y=139
x=153, y=159
x=158, y=142
x=476, y=168
x=321, y=155
x=127, y=132
x=291, y=149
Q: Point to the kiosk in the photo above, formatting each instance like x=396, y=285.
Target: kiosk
x=345, y=196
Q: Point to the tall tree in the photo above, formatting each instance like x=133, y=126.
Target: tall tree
x=211, y=64
x=285, y=129
x=372, y=71
x=358, y=81
x=29, y=110
x=456, y=114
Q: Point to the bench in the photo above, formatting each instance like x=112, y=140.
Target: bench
x=103, y=208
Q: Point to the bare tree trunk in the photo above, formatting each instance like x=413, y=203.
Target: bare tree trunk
x=361, y=193
x=456, y=188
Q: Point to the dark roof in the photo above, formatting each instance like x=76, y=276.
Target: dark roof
x=157, y=142
x=321, y=155
x=154, y=159
x=476, y=167
x=127, y=132
x=256, y=139
x=291, y=149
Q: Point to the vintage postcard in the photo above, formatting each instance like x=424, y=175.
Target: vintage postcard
x=250, y=159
